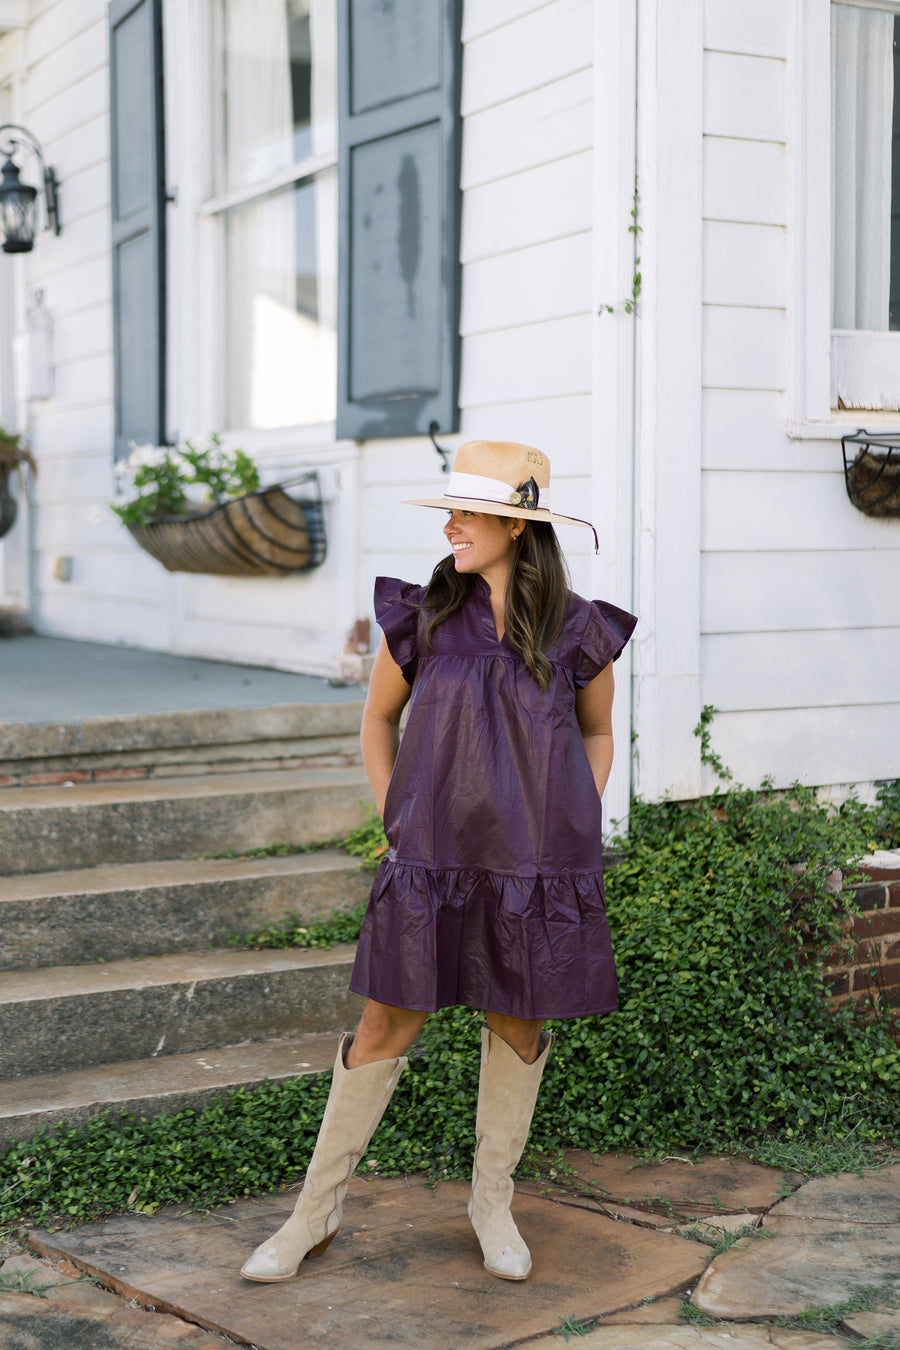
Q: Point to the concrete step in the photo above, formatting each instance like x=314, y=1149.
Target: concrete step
x=155, y=1087
x=78, y=1017
x=198, y=740
x=148, y=909
x=91, y=824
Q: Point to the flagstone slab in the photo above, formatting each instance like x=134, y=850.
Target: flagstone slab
x=677, y=1189
x=405, y=1270
x=52, y=1323
x=834, y=1236
x=659, y=1312
x=730, y=1336
x=869, y=1324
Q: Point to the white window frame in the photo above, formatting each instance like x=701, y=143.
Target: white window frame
x=196, y=250
x=815, y=348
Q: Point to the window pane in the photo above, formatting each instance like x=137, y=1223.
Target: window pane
x=281, y=331
x=278, y=96
x=864, y=167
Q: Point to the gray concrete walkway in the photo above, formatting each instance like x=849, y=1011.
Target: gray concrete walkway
x=45, y=680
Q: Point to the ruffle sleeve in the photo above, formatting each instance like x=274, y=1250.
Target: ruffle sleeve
x=606, y=632
x=397, y=608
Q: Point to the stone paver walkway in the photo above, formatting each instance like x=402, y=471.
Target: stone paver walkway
x=612, y=1268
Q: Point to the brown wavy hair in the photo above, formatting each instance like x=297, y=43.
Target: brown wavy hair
x=536, y=596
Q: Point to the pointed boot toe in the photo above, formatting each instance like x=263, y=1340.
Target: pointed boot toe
x=512, y=1263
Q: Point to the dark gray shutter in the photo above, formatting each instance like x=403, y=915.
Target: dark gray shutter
x=138, y=220
x=398, y=326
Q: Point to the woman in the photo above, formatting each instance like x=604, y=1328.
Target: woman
x=491, y=895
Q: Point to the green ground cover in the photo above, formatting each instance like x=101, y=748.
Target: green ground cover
x=724, y=1039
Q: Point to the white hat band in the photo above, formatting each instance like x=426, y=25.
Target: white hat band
x=475, y=488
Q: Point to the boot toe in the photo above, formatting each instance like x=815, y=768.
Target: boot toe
x=509, y=1264
x=266, y=1266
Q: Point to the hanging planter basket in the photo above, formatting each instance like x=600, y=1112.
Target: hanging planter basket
x=263, y=534
x=872, y=472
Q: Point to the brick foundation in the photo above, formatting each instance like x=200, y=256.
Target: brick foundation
x=866, y=968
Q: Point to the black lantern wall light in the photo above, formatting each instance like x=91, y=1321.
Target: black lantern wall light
x=18, y=200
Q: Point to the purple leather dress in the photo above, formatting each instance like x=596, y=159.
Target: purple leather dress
x=491, y=894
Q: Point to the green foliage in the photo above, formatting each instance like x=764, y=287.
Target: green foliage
x=887, y=814
x=720, y=1242
x=724, y=1038
x=823, y=1154
x=321, y=933
x=161, y=476
x=571, y=1327
x=828, y=1318
x=707, y=754
x=367, y=842
x=629, y=306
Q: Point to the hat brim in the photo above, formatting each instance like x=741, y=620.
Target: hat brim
x=487, y=508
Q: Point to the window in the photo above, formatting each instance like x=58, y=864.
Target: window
x=865, y=178
x=275, y=194
x=331, y=177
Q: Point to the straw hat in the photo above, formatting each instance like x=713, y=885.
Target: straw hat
x=500, y=478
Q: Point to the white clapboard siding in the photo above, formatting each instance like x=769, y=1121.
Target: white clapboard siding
x=297, y=600
x=87, y=333
x=83, y=282
x=86, y=380
x=543, y=360
x=816, y=746
x=744, y=96
x=76, y=430
x=105, y=618
x=88, y=238
x=744, y=264
x=487, y=15
x=762, y=592
x=67, y=527
x=406, y=462
x=548, y=281
x=74, y=106
x=544, y=125
x=87, y=192
x=543, y=45
x=80, y=148
x=744, y=429
x=803, y=511
x=811, y=669
x=527, y=208
x=743, y=348
x=81, y=56
x=136, y=573
x=757, y=27
x=60, y=23
x=287, y=647
x=743, y=180
x=561, y=427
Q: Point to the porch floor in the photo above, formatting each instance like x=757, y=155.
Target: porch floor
x=46, y=680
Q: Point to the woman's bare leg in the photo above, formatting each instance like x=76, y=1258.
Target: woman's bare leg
x=522, y=1035
x=383, y=1033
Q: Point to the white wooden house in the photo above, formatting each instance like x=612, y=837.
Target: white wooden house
x=243, y=260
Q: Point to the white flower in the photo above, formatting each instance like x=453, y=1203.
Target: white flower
x=145, y=455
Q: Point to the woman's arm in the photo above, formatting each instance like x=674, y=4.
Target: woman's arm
x=380, y=734
x=593, y=708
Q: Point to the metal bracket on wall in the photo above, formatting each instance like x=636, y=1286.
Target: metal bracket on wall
x=444, y=454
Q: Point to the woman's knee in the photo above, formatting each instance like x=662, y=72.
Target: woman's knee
x=383, y=1033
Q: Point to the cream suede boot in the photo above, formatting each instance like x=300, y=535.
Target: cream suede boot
x=507, y=1093
x=356, y=1103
